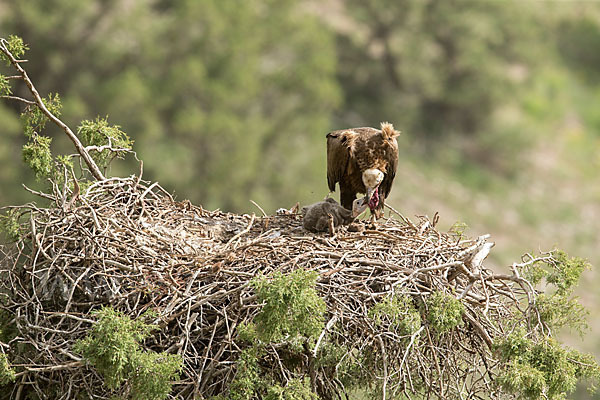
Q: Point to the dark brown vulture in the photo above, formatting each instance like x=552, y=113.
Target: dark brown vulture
x=363, y=160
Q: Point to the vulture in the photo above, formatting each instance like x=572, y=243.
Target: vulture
x=363, y=160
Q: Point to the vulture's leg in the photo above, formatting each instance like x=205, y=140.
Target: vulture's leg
x=373, y=219
x=377, y=213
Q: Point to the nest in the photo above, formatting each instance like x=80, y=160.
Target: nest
x=126, y=243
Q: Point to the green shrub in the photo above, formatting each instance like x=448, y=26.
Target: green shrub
x=16, y=47
x=99, y=133
x=566, y=271
x=560, y=310
x=34, y=119
x=7, y=374
x=524, y=379
x=399, y=311
x=248, y=379
x=113, y=348
x=292, y=313
x=37, y=154
x=292, y=309
x=543, y=368
x=514, y=345
x=296, y=389
x=444, y=312
x=5, y=89
x=9, y=225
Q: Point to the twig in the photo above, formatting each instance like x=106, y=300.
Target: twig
x=385, y=368
x=259, y=207
x=238, y=235
x=330, y=323
x=22, y=100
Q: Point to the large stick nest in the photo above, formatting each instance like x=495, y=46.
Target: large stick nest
x=128, y=244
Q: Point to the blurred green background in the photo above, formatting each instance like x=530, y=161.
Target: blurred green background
x=229, y=101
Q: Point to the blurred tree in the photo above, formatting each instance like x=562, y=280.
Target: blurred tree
x=578, y=37
x=223, y=98
x=435, y=67
x=221, y=95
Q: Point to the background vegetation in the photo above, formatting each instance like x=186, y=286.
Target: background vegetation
x=229, y=101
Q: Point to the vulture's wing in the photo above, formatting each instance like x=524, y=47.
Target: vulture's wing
x=392, y=163
x=338, y=154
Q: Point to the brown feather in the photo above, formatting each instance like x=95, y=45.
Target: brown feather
x=352, y=151
x=388, y=131
x=338, y=154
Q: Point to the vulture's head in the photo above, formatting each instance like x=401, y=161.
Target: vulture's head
x=358, y=206
x=372, y=178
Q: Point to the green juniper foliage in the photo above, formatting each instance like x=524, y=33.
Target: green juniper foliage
x=247, y=332
x=248, y=378
x=113, y=348
x=292, y=306
x=566, y=271
x=561, y=310
x=34, y=120
x=251, y=382
x=9, y=224
x=292, y=312
x=7, y=374
x=399, y=311
x=296, y=389
x=344, y=363
x=561, y=271
x=153, y=373
x=37, y=154
x=458, y=229
x=542, y=368
x=524, y=379
x=559, y=307
x=514, y=346
x=536, y=365
x=5, y=89
x=16, y=47
x=444, y=312
x=100, y=133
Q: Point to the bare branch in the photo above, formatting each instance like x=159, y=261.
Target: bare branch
x=20, y=99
